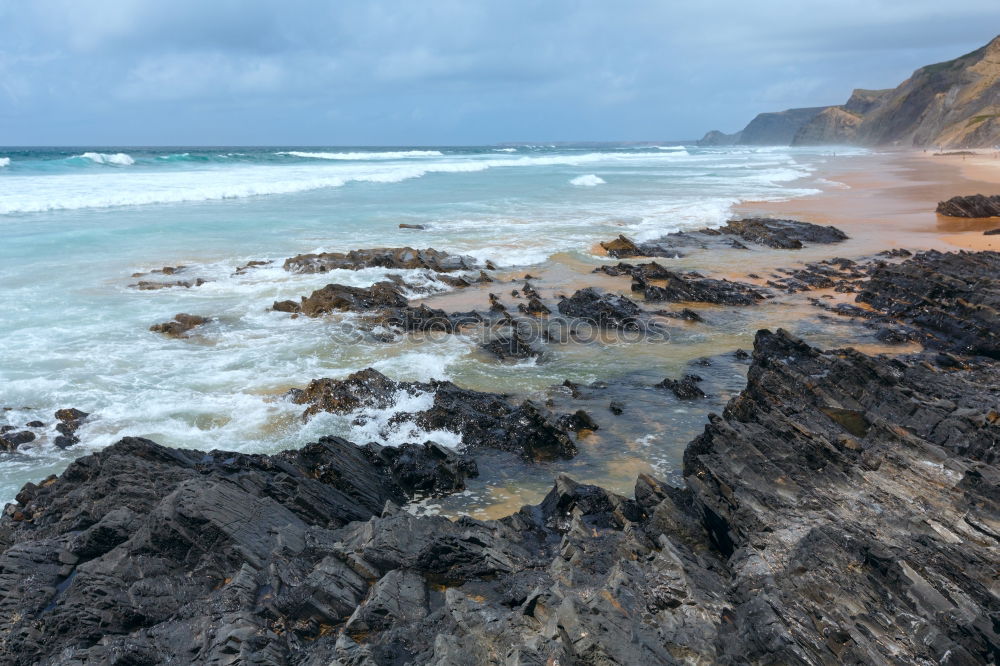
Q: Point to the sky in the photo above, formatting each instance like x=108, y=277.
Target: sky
x=449, y=72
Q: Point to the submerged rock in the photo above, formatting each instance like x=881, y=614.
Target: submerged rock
x=976, y=205
x=384, y=257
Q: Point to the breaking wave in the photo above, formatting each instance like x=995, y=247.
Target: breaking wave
x=118, y=159
x=590, y=180
x=375, y=155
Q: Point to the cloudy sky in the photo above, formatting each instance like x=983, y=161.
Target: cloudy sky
x=366, y=72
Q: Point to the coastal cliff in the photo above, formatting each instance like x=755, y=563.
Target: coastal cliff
x=953, y=104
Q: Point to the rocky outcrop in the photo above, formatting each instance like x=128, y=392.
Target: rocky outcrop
x=842, y=509
x=386, y=257
x=976, y=205
x=180, y=326
x=680, y=288
x=484, y=420
x=608, y=311
x=952, y=299
x=341, y=298
x=765, y=231
x=624, y=247
x=717, y=138
x=70, y=419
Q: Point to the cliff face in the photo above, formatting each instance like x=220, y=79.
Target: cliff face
x=954, y=104
x=779, y=128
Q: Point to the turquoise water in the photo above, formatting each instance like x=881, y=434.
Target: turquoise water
x=78, y=222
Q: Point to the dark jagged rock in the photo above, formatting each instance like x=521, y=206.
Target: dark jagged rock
x=782, y=234
x=341, y=298
x=144, y=554
x=623, y=247
x=534, y=307
x=510, y=345
x=685, y=314
x=11, y=439
x=579, y=420
x=842, y=509
x=420, y=227
x=976, y=205
x=952, y=299
x=685, y=388
x=770, y=232
x=180, y=326
x=617, y=408
x=992, y=232
x=385, y=257
x=650, y=271
x=604, y=310
x=679, y=288
x=70, y=420
x=484, y=420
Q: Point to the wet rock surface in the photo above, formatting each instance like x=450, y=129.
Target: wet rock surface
x=976, y=205
x=604, y=310
x=484, y=420
x=843, y=508
x=392, y=257
x=951, y=299
x=70, y=420
x=692, y=287
x=735, y=234
x=180, y=326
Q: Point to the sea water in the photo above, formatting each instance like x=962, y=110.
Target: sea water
x=77, y=223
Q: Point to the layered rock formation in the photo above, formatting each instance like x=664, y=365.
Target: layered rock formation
x=842, y=509
x=953, y=104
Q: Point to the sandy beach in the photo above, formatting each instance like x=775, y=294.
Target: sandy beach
x=887, y=200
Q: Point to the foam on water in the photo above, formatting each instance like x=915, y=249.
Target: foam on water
x=589, y=180
x=4, y=161
x=378, y=155
x=118, y=159
x=74, y=334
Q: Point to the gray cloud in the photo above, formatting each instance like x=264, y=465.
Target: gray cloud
x=448, y=71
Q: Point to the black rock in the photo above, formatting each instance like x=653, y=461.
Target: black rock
x=976, y=205
x=484, y=420
x=603, y=310
x=685, y=388
x=390, y=257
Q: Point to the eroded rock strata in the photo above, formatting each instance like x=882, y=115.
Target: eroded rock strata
x=843, y=508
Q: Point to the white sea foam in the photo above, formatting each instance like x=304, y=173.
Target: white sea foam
x=505, y=150
x=76, y=191
x=671, y=148
x=119, y=159
x=373, y=155
x=4, y=161
x=590, y=180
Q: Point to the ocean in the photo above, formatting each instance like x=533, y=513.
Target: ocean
x=78, y=223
